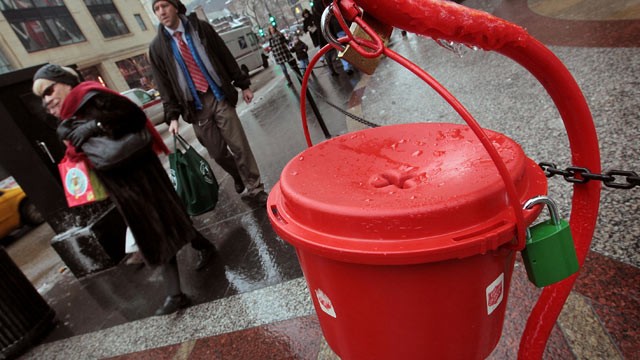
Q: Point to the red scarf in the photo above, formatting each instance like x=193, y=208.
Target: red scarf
x=73, y=101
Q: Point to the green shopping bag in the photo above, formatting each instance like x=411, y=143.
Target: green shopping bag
x=192, y=178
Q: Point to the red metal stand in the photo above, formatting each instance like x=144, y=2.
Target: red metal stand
x=449, y=21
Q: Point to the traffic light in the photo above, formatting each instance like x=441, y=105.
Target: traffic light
x=310, y=3
x=272, y=20
x=261, y=32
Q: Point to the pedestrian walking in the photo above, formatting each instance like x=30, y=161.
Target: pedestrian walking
x=137, y=184
x=338, y=32
x=301, y=50
x=317, y=10
x=281, y=53
x=197, y=77
x=346, y=66
x=309, y=26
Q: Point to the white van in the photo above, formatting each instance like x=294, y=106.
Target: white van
x=246, y=49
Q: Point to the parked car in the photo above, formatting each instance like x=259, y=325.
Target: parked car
x=266, y=48
x=296, y=29
x=154, y=93
x=287, y=34
x=151, y=104
x=16, y=209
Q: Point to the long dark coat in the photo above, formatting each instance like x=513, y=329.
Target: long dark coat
x=308, y=24
x=140, y=188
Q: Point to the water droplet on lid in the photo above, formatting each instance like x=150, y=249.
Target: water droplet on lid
x=417, y=153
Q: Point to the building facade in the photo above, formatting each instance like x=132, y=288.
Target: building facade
x=106, y=40
x=285, y=12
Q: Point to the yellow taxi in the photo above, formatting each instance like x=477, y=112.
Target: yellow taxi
x=15, y=208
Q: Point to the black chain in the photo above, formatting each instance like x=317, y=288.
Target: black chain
x=344, y=112
x=572, y=174
x=580, y=175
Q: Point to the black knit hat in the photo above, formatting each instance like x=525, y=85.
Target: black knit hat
x=176, y=3
x=57, y=73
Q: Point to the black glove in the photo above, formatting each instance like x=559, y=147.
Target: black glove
x=63, y=130
x=81, y=133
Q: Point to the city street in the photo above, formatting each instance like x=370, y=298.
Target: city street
x=272, y=123
x=252, y=301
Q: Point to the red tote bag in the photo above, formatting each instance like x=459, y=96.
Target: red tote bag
x=80, y=183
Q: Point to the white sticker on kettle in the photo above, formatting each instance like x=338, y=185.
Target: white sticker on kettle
x=495, y=294
x=325, y=303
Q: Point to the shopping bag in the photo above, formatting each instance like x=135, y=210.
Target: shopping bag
x=192, y=178
x=80, y=183
x=130, y=245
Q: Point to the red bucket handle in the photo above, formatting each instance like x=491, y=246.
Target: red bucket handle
x=442, y=20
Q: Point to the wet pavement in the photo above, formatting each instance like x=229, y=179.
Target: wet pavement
x=252, y=301
x=250, y=255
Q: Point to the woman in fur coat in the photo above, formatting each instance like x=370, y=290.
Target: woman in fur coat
x=138, y=185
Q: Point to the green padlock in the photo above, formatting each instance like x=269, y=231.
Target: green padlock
x=549, y=255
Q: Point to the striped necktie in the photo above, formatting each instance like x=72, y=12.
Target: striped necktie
x=196, y=74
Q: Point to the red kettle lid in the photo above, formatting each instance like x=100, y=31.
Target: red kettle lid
x=403, y=194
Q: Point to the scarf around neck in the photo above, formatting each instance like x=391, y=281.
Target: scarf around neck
x=80, y=94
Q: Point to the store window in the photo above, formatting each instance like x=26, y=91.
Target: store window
x=107, y=17
x=41, y=24
x=140, y=21
x=136, y=72
x=5, y=65
x=92, y=74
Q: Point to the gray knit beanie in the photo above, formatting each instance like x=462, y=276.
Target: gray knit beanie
x=57, y=73
x=176, y=3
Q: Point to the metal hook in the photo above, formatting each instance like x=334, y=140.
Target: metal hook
x=326, y=32
x=553, y=208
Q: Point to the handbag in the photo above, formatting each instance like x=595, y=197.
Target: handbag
x=80, y=183
x=192, y=178
x=105, y=152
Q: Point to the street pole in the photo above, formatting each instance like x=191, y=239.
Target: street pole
x=312, y=102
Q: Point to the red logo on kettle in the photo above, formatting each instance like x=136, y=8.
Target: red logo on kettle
x=495, y=294
x=325, y=303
